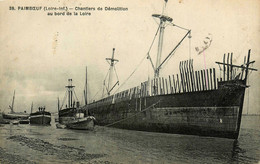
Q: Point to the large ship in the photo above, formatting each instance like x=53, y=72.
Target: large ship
x=190, y=102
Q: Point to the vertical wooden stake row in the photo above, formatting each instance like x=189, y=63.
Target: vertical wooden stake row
x=178, y=84
x=211, y=82
x=202, y=80
x=208, y=85
x=170, y=83
x=174, y=86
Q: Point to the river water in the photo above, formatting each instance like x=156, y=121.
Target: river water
x=47, y=144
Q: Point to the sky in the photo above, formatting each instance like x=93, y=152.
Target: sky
x=39, y=53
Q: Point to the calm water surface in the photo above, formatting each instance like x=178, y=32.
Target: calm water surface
x=47, y=144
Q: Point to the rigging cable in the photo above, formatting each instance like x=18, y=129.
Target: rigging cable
x=95, y=94
x=139, y=62
x=189, y=45
x=131, y=74
x=65, y=96
x=116, y=74
x=179, y=26
x=75, y=95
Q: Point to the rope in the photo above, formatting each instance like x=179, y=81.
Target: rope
x=131, y=74
x=95, y=94
x=179, y=27
x=75, y=95
x=65, y=96
x=189, y=45
x=132, y=115
x=153, y=39
x=140, y=62
x=116, y=74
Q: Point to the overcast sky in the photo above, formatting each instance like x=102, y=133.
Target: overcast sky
x=39, y=53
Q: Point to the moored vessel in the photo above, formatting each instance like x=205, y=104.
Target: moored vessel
x=15, y=115
x=41, y=117
x=193, y=102
x=81, y=123
x=66, y=113
x=74, y=117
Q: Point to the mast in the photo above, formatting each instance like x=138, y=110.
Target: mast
x=163, y=20
x=58, y=104
x=12, y=107
x=70, y=92
x=160, y=44
x=86, y=87
x=32, y=107
x=111, y=62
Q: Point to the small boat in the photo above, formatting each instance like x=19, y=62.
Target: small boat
x=15, y=115
x=40, y=117
x=81, y=123
x=74, y=117
x=14, y=122
x=60, y=126
x=3, y=121
x=24, y=121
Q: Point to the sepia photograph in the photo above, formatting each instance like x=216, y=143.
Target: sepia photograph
x=119, y=81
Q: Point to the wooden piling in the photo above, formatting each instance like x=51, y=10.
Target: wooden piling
x=206, y=79
x=174, y=86
x=207, y=76
x=247, y=65
x=228, y=67
x=186, y=76
x=166, y=86
x=224, y=67
x=231, y=67
x=202, y=80
x=163, y=86
x=214, y=78
x=191, y=78
x=182, y=77
x=243, y=68
x=177, y=84
x=196, y=79
x=211, y=85
x=170, y=83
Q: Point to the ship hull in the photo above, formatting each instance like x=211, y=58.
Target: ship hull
x=68, y=114
x=86, y=123
x=214, y=113
x=40, y=119
x=15, y=116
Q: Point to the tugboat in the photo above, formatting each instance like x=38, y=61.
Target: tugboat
x=41, y=117
x=81, y=122
x=74, y=117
